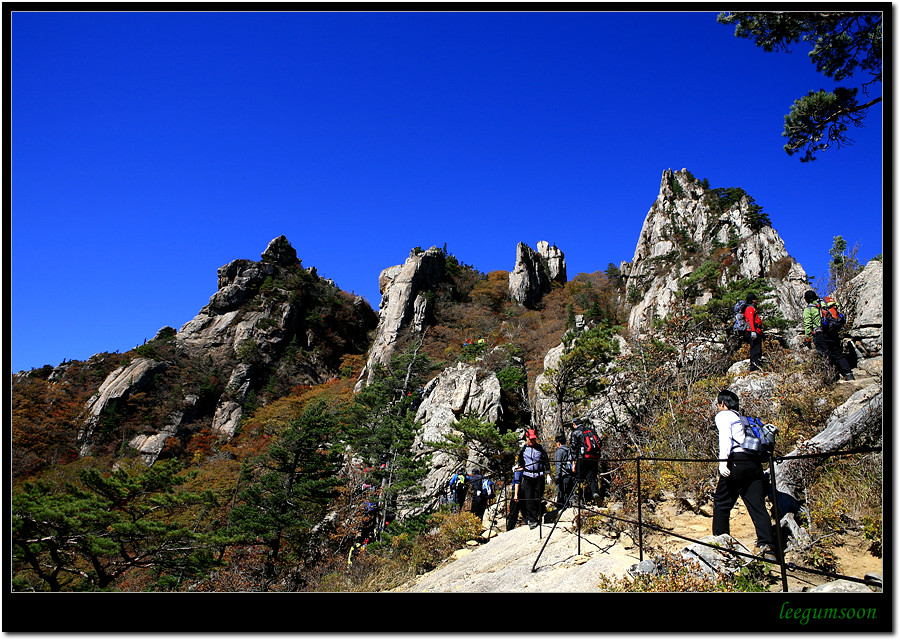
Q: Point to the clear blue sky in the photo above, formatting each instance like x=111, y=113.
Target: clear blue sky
x=149, y=149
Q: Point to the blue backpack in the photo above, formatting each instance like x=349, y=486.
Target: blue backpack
x=759, y=438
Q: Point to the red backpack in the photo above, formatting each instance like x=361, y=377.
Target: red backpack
x=589, y=444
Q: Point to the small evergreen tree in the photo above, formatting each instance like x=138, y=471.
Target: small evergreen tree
x=578, y=375
x=381, y=428
x=291, y=486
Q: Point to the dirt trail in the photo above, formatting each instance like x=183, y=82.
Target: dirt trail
x=853, y=555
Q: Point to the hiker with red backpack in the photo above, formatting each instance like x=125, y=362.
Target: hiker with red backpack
x=821, y=321
x=584, y=446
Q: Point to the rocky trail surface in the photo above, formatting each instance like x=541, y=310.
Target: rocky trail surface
x=558, y=560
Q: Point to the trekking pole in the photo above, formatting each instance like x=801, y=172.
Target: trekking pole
x=784, y=584
x=556, y=522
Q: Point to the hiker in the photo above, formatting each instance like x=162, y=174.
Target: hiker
x=479, y=496
x=458, y=487
x=565, y=478
x=740, y=474
x=827, y=343
x=753, y=334
x=535, y=464
x=584, y=446
x=512, y=518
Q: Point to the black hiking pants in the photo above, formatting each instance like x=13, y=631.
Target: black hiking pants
x=586, y=471
x=748, y=482
x=830, y=347
x=755, y=350
x=564, y=486
x=531, y=492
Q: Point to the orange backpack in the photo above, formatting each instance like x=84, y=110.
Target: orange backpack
x=832, y=318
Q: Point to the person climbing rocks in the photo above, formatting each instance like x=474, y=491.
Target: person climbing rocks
x=479, y=497
x=753, y=334
x=565, y=477
x=827, y=343
x=584, y=446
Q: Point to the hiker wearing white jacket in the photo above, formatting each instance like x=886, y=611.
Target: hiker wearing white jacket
x=740, y=474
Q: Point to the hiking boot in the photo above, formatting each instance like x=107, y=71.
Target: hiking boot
x=849, y=376
x=766, y=553
x=597, y=500
x=532, y=525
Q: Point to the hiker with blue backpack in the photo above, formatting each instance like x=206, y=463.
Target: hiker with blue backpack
x=822, y=321
x=458, y=488
x=740, y=474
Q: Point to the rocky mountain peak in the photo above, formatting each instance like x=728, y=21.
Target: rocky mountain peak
x=270, y=320
x=696, y=234
x=534, y=272
x=280, y=252
x=402, y=304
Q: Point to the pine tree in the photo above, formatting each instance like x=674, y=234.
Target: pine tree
x=87, y=536
x=291, y=486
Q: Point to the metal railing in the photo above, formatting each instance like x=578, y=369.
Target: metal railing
x=640, y=524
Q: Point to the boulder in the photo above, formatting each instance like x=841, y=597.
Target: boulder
x=865, y=332
x=465, y=389
x=857, y=422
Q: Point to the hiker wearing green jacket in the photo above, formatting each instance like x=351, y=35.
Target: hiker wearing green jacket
x=827, y=344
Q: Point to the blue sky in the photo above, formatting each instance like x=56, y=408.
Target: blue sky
x=149, y=149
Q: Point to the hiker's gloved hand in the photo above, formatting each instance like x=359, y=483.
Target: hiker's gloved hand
x=724, y=471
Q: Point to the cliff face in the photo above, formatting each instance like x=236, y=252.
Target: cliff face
x=403, y=304
x=534, y=272
x=689, y=225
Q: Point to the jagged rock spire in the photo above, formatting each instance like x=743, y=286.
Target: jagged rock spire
x=683, y=227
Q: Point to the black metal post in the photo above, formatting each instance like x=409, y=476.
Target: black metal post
x=784, y=584
x=640, y=519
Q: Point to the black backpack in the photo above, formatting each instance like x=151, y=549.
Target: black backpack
x=588, y=443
